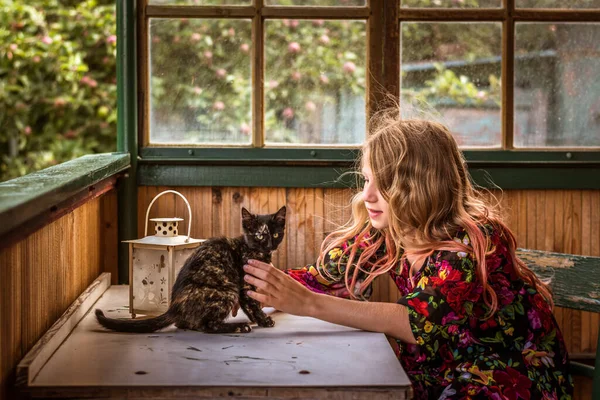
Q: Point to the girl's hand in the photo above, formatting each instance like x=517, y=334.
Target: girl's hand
x=278, y=290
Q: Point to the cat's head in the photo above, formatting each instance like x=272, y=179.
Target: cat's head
x=263, y=232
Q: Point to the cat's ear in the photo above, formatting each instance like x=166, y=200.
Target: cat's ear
x=246, y=214
x=279, y=216
x=247, y=219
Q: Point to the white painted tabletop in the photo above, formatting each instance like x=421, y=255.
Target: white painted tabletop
x=297, y=352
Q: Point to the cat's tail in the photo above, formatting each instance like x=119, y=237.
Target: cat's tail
x=133, y=325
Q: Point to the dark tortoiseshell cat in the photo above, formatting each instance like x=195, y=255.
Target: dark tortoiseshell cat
x=211, y=282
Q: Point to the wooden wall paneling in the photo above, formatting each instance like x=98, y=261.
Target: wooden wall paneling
x=539, y=200
x=530, y=228
x=576, y=246
x=240, y=198
x=318, y=224
x=276, y=199
x=11, y=346
x=548, y=221
x=586, y=249
x=205, y=229
x=567, y=229
x=594, y=251
x=310, y=199
x=109, y=237
x=295, y=200
x=558, y=245
x=223, y=222
x=41, y=275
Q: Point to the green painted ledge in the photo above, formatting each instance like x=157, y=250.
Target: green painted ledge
x=516, y=177
x=24, y=198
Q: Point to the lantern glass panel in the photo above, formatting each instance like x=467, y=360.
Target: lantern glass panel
x=150, y=281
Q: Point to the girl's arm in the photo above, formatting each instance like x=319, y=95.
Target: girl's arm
x=282, y=292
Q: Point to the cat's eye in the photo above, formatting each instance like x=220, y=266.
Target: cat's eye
x=276, y=235
x=259, y=236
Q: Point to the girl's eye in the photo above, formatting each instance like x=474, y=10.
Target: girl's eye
x=276, y=235
x=259, y=236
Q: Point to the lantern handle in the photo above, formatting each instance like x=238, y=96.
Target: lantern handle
x=188, y=207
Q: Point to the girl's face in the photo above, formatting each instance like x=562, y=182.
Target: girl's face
x=376, y=205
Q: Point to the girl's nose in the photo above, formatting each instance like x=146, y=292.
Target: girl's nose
x=369, y=194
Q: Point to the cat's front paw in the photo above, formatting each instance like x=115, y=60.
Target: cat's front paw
x=267, y=322
x=245, y=328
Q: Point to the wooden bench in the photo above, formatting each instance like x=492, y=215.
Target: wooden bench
x=575, y=283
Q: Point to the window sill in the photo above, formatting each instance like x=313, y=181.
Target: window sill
x=304, y=167
x=29, y=196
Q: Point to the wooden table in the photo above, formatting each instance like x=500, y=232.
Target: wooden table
x=300, y=357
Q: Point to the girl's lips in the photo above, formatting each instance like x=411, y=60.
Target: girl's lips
x=374, y=213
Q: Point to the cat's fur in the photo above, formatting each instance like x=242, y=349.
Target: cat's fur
x=211, y=282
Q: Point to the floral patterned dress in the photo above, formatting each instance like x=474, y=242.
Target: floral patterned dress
x=517, y=353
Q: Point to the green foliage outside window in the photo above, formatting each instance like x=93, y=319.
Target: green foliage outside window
x=57, y=82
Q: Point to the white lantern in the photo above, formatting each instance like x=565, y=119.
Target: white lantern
x=155, y=261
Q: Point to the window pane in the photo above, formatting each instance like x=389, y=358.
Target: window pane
x=452, y=3
x=200, y=81
x=323, y=3
x=315, y=81
x=200, y=2
x=451, y=72
x=557, y=85
x=557, y=3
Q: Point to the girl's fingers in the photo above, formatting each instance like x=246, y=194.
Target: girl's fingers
x=260, y=264
x=261, y=298
x=260, y=284
x=257, y=272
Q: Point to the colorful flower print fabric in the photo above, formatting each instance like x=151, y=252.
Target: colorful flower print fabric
x=516, y=353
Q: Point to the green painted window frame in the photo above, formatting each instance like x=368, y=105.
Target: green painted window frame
x=317, y=166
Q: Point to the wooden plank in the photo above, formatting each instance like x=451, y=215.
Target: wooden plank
x=563, y=15
x=35, y=359
x=586, y=241
x=375, y=82
x=304, y=12
x=163, y=11
x=292, y=231
x=271, y=393
x=200, y=361
x=522, y=217
x=11, y=292
x=576, y=316
x=508, y=76
x=258, y=76
x=317, y=224
x=438, y=14
x=277, y=199
x=575, y=279
x=548, y=221
x=595, y=251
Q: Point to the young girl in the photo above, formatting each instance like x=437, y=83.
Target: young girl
x=473, y=320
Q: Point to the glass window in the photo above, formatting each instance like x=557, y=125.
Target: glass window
x=557, y=85
x=315, y=81
x=200, y=81
x=452, y=73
